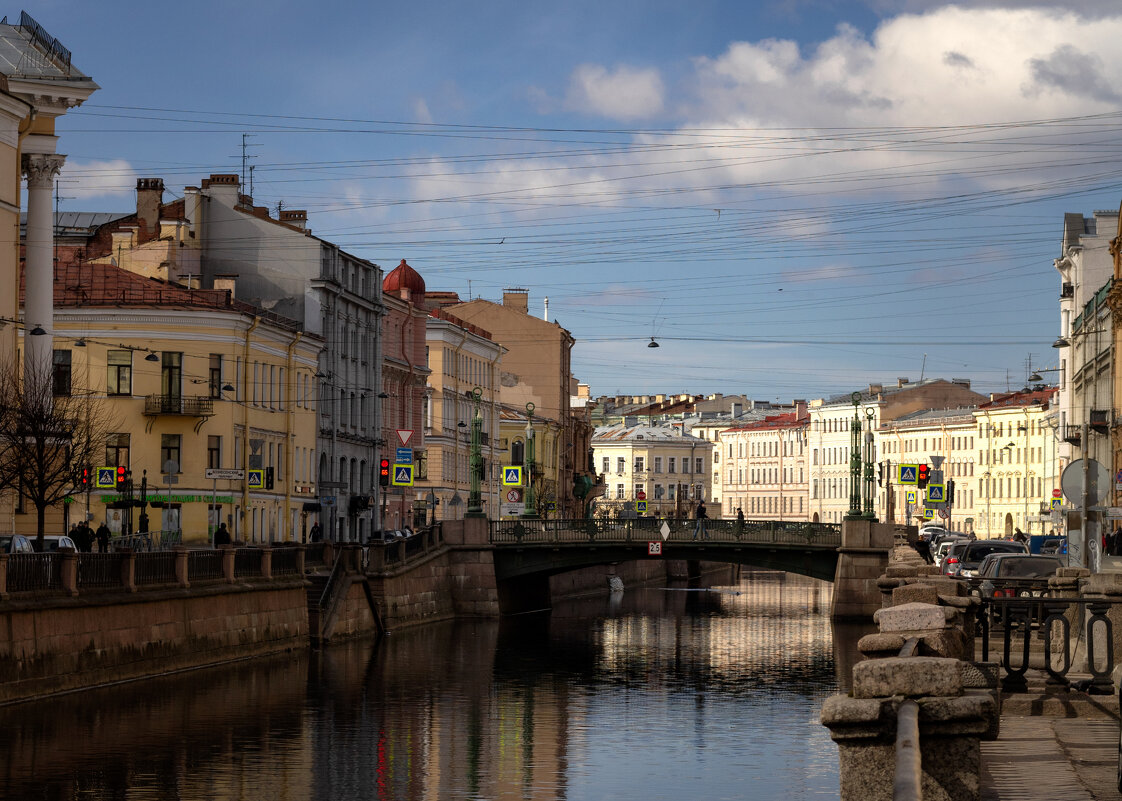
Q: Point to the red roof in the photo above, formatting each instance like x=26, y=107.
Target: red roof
x=775, y=421
x=1032, y=397
x=404, y=277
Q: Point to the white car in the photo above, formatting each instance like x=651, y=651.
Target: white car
x=52, y=542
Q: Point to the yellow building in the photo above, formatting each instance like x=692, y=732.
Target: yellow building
x=516, y=427
x=461, y=357
x=670, y=468
x=193, y=380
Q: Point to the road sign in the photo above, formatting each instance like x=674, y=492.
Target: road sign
x=403, y=475
x=1113, y=513
x=1057, y=504
x=943, y=513
x=930, y=513
x=327, y=500
x=1057, y=493
x=664, y=530
x=106, y=477
x=642, y=495
x=654, y=548
x=936, y=493
x=512, y=476
x=514, y=495
x=404, y=435
x=1098, y=482
x=907, y=474
x=226, y=474
x=256, y=479
x=910, y=497
x=404, y=456
x=641, y=506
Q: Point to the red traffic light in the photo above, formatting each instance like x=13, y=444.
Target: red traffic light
x=121, y=474
x=384, y=473
x=923, y=476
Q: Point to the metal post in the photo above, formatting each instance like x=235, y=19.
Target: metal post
x=1083, y=504
x=869, y=488
x=854, y=512
x=531, y=509
x=475, y=501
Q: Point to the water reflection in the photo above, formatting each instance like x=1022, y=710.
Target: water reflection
x=660, y=693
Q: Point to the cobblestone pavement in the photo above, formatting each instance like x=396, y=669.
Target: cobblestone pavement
x=1053, y=758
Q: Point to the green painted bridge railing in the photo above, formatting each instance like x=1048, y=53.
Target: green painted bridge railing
x=644, y=529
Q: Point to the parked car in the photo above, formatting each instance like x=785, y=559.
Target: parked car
x=949, y=565
x=977, y=550
x=1023, y=574
x=940, y=552
x=52, y=542
x=1054, y=545
x=15, y=543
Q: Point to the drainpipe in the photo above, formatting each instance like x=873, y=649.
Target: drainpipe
x=289, y=418
x=245, y=424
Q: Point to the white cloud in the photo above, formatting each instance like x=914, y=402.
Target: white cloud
x=91, y=179
x=624, y=93
x=421, y=111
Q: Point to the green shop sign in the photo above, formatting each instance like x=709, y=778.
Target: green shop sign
x=174, y=498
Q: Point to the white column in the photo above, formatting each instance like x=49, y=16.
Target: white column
x=40, y=169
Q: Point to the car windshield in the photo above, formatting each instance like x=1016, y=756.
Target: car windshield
x=1028, y=567
x=5, y=544
x=977, y=551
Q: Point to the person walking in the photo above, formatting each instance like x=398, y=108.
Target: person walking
x=102, y=538
x=221, y=536
x=702, y=516
x=316, y=533
x=739, y=522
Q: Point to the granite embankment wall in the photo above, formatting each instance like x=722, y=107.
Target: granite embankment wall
x=51, y=645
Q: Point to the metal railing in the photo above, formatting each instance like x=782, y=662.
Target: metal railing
x=247, y=562
x=764, y=532
x=313, y=554
x=1045, y=631
x=100, y=570
x=147, y=541
x=191, y=406
x=156, y=568
x=285, y=561
x=29, y=571
x=204, y=564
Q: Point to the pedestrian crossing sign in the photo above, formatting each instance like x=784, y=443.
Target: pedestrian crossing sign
x=106, y=477
x=936, y=493
x=512, y=476
x=1057, y=504
x=910, y=495
x=640, y=506
x=256, y=478
x=908, y=474
x=403, y=475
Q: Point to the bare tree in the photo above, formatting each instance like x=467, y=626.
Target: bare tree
x=45, y=439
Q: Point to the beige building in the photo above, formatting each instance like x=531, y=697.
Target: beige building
x=763, y=468
x=517, y=427
x=192, y=380
x=670, y=468
x=830, y=432
x=537, y=369
x=461, y=358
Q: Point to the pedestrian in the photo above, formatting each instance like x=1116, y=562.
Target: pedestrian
x=85, y=539
x=1019, y=536
x=739, y=522
x=102, y=538
x=701, y=516
x=221, y=536
x=316, y=532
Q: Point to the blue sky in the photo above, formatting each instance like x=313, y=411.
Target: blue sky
x=794, y=198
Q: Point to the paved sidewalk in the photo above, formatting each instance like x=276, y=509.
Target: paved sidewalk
x=1054, y=758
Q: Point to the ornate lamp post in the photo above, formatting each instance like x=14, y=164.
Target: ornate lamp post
x=475, y=501
x=869, y=488
x=531, y=506
x=854, y=512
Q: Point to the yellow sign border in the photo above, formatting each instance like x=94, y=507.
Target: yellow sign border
x=512, y=483
x=393, y=475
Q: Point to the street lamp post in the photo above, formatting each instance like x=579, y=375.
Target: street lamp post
x=475, y=501
x=855, y=511
x=531, y=509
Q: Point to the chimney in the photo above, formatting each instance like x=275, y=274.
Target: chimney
x=295, y=217
x=149, y=197
x=876, y=389
x=517, y=299
x=226, y=282
x=735, y=409
x=191, y=208
x=223, y=186
x=901, y=381
x=545, y=314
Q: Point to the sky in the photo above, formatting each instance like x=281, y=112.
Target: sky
x=792, y=198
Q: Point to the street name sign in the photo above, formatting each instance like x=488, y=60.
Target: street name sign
x=404, y=456
x=908, y=474
x=225, y=474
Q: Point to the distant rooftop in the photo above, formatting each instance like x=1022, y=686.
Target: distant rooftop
x=28, y=51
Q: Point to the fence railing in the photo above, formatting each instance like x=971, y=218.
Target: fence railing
x=396, y=553
x=70, y=572
x=764, y=532
x=148, y=541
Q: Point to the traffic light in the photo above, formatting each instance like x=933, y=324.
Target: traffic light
x=122, y=477
x=84, y=479
x=384, y=473
x=950, y=492
x=880, y=474
x=268, y=478
x=923, y=476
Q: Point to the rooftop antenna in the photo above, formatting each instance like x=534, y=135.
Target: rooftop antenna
x=251, y=180
x=245, y=155
x=922, y=368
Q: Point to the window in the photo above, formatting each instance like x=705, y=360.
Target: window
x=699, y=465
x=60, y=373
x=638, y=464
x=659, y=491
x=213, y=452
x=117, y=450
x=619, y=491
x=119, y=378
x=639, y=488
x=170, y=451
x=605, y=463
x=215, y=375
x=620, y=462
x=670, y=491
x=671, y=464
x=658, y=464
x=171, y=375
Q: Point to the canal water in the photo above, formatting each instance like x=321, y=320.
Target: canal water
x=656, y=693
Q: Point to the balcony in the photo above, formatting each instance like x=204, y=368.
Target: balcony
x=1072, y=434
x=1067, y=291
x=1100, y=421
x=196, y=406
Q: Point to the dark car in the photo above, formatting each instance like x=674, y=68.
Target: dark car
x=974, y=552
x=952, y=556
x=1013, y=574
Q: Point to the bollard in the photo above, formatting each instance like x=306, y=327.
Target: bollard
x=68, y=571
x=181, y=568
x=266, y=561
x=228, y=552
x=128, y=570
x=301, y=553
